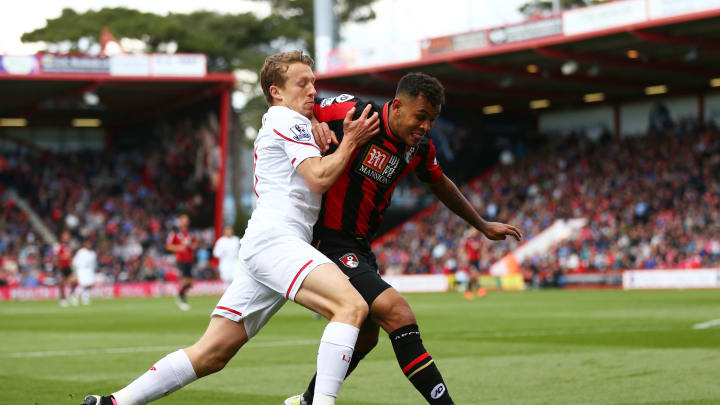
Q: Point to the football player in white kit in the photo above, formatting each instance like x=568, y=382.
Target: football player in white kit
x=226, y=250
x=277, y=261
x=84, y=264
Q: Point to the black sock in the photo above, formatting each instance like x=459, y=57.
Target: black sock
x=418, y=366
x=309, y=394
x=181, y=294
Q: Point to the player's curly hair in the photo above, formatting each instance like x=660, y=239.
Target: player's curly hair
x=416, y=83
x=273, y=72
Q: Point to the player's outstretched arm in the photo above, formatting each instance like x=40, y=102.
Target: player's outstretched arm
x=447, y=192
x=321, y=173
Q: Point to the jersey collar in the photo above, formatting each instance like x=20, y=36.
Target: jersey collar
x=386, y=115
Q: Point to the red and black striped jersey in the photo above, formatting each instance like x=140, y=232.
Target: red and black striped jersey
x=355, y=203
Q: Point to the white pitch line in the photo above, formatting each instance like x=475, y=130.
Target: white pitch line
x=708, y=324
x=561, y=332
x=120, y=350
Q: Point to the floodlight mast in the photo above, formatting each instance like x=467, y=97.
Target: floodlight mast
x=324, y=32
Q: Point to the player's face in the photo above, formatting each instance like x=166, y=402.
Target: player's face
x=298, y=93
x=184, y=221
x=412, y=118
x=228, y=231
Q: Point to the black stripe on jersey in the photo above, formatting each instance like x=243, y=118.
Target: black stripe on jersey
x=353, y=200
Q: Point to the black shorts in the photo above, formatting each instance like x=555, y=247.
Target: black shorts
x=360, y=266
x=185, y=269
x=64, y=272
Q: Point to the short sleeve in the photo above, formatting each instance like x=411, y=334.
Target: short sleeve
x=295, y=134
x=428, y=170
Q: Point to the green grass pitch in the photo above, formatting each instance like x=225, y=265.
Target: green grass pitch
x=545, y=347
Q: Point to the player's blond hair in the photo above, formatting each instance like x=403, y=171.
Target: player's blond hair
x=273, y=72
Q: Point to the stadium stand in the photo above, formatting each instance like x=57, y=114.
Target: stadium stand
x=123, y=200
x=651, y=202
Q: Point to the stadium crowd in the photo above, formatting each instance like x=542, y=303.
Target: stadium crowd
x=125, y=201
x=650, y=202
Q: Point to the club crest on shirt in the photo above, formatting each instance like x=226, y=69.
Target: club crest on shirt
x=350, y=260
x=379, y=164
x=300, y=132
x=409, y=154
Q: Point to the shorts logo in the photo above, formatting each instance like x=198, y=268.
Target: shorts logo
x=350, y=260
x=379, y=164
x=438, y=391
x=300, y=132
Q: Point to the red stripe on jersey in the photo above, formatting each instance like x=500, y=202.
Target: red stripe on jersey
x=254, y=166
x=335, y=111
x=229, y=310
x=335, y=197
x=415, y=362
x=287, y=295
x=294, y=141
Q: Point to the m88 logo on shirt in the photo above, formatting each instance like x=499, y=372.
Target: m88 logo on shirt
x=376, y=158
x=379, y=164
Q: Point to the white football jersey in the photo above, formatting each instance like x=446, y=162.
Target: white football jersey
x=226, y=248
x=284, y=200
x=85, y=264
x=84, y=260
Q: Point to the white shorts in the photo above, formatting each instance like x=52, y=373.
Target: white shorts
x=228, y=269
x=273, y=266
x=85, y=277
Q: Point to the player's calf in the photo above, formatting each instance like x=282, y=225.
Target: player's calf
x=394, y=314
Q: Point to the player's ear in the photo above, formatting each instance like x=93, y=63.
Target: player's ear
x=396, y=104
x=275, y=93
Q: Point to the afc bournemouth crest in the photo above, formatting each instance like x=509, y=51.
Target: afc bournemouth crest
x=350, y=260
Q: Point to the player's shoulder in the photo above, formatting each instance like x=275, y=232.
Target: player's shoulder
x=287, y=124
x=279, y=113
x=328, y=101
x=335, y=108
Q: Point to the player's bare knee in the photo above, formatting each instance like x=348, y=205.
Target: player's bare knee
x=353, y=310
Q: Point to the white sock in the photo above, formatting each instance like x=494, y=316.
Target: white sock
x=171, y=373
x=86, y=294
x=336, y=348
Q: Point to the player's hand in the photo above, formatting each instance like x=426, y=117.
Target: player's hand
x=499, y=231
x=324, y=136
x=362, y=129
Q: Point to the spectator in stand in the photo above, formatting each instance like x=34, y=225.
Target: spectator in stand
x=183, y=244
x=650, y=202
